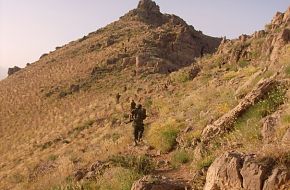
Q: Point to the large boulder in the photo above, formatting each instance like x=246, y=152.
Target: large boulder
x=279, y=179
x=254, y=173
x=269, y=127
x=224, y=173
x=234, y=170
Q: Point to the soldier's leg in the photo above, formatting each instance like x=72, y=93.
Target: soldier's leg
x=136, y=134
x=141, y=131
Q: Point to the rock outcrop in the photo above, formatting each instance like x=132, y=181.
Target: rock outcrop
x=225, y=123
x=235, y=170
x=13, y=70
x=170, y=43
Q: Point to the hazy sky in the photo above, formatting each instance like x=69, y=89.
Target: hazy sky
x=29, y=28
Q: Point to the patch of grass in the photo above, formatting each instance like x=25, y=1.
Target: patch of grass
x=163, y=137
x=286, y=119
x=247, y=127
x=139, y=164
x=229, y=75
x=87, y=185
x=87, y=124
x=205, y=162
x=17, y=178
x=52, y=157
x=180, y=76
x=148, y=103
x=118, y=178
x=243, y=63
x=180, y=157
x=287, y=70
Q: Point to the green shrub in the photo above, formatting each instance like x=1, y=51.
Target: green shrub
x=140, y=164
x=286, y=119
x=180, y=76
x=247, y=127
x=287, y=70
x=205, y=162
x=180, y=157
x=118, y=178
x=163, y=137
x=243, y=63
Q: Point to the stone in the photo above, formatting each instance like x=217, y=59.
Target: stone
x=279, y=179
x=80, y=174
x=150, y=182
x=194, y=72
x=254, y=174
x=224, y=173
x=286, y=18
x=243, y=37
x=13, y=70
x=75, y=88
x=234, y=170
x=269, y=128
x=259, y=34
x=278, y=19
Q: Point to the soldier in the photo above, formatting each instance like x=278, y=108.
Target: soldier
x=133, y=105
x=138, y=116
x=118, y=96
x=132, y=108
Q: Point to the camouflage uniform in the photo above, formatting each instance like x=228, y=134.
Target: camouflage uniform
x=138, y=114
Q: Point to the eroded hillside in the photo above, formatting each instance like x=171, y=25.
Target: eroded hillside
x=61, y=127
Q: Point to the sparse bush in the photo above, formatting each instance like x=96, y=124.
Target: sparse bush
x=140, y=164
x=17, y=178
x=148, y=103
x=180, y=157
x=180, y=76
x=243, y=63
x=118, y=178
x=247, y=127
x=52, y=157
x=286, y=119
x=163, y=137
x=287, y=70
x=205, y=162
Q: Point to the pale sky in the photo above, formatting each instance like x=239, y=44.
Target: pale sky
x=29, y=28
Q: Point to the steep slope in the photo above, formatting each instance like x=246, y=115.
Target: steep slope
x=58, y=105
x=61, y=127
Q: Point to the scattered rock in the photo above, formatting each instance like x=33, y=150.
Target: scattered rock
x=157, y=183
x=74, y=88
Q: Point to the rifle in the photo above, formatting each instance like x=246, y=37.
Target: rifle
x=127, y=122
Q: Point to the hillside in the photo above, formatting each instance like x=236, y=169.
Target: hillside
x=216, y=108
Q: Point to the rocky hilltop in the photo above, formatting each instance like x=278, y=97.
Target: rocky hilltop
x=218, y=110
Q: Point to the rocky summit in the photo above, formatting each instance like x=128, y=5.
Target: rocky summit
x=217, y=110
